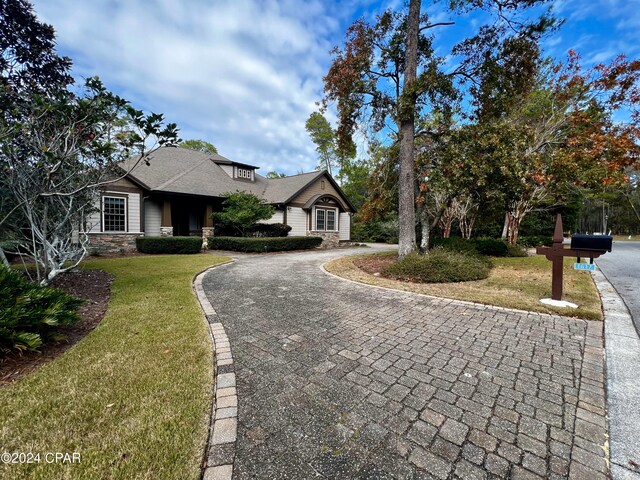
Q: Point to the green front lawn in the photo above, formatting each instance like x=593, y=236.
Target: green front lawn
x=132, y=397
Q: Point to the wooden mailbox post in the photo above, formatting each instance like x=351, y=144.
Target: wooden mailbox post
x=556, y=254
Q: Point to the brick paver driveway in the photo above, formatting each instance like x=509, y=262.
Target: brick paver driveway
x=339, y=380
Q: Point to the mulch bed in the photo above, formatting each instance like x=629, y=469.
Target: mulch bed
x=373, y=265
x=94, y=286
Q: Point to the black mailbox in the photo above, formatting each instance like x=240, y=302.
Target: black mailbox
x=602, y=243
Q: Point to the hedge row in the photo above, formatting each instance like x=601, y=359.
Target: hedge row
x=169, y=244
x=257, y=230
x=263, y=244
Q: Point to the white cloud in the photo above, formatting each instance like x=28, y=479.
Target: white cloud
x=244, y=75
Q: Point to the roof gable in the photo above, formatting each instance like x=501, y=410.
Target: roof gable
x=184, y=171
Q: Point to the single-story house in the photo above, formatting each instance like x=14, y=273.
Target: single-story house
x=175, y=194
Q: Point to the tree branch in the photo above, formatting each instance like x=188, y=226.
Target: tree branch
x=439, y=24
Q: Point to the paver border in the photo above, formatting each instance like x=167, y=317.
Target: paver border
x=622, y=361
x=219, y=451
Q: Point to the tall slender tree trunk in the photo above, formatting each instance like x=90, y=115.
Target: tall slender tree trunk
x=406, y=123
x=425, y=227
x=505, y=228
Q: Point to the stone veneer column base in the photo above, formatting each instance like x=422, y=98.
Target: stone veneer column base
x=166, y=231
x=206, y=233
x=112, y=242
x=329, y=239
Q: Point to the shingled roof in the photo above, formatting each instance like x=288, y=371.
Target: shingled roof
x=184, y=171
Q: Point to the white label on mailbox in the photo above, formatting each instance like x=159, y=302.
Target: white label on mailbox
x=590, y=267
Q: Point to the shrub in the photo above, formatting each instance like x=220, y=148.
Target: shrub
x=516, y=251
x=241, y=211
x=456, y=244
x=484, y=246
x=440, y=265
x=491, y=246
x=30, y=314
x=535, y=241
x=11, y=249
x=172, y=245
x=270, y=230
x=381, y=231
x=263, y=244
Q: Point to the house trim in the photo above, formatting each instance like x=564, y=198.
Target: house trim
x=126, y=212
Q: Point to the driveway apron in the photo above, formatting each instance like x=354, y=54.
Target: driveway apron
x=342, y=380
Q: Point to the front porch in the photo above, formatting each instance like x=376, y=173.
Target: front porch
x=180, y=216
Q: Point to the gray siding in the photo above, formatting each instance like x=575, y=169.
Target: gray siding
x=345, y=226
x=152, y=218
x=297, y=220
x=278, y=217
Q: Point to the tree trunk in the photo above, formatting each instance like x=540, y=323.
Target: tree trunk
x=446, y=223
x=467, y=226
x=505, y=228
x=515, y=219
x=633, y=208
x=425, y=228
x=406, y=107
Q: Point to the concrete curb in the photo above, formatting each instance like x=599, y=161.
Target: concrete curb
x=221, y=443
x=622, y=347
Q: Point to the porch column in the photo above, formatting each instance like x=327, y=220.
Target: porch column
x=166, y=229
x=207, y=224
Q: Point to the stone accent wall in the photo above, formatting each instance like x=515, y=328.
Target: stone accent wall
x=329, y=239
x=112, y=242
x=166, y=231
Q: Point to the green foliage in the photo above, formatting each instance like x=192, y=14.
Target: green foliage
x=58, y=143
x=535, y=240
x=377, y=231
x=270, y=230
x=241, y=211
x=263, y=244
x=30, y=314
x=440, y=265
x=177, y=245
x=256, y=230
x=456, y=244
x=10, y=248
x=516, y=251
x=199, y=146
x=483, y=246
x=273, y=174
x=322, y=135
x=490, y=246
x=29, y=60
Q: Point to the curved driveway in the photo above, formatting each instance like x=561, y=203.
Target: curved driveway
x=341, y=380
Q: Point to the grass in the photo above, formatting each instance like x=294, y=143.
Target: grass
x=513, y=283
x=133, y=396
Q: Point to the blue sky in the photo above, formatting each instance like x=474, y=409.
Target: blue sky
x=245, y=75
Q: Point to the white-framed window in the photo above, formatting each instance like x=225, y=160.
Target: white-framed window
x=114, y=214
x=326, y=219
x=244, y=173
